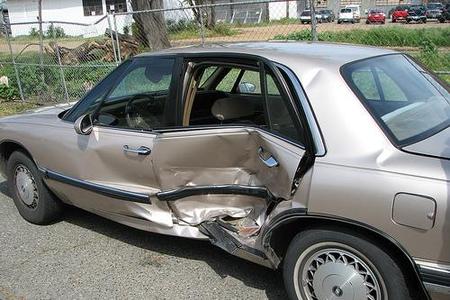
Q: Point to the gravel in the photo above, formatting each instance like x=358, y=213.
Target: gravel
x=86, y=256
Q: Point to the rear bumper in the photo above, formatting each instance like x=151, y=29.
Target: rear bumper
x=436, y=278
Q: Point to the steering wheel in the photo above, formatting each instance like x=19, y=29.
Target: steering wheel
x=136, y=113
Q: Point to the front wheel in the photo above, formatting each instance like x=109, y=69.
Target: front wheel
x=33, y=200
x=324, y=264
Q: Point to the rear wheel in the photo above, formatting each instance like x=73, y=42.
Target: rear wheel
x=325, y=264
x=33, y=200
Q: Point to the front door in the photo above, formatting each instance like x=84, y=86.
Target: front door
x=111, y=171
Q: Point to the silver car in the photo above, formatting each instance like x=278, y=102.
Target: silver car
x=328, y=161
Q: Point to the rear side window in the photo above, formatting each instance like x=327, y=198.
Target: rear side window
x=404, y=99
x=242, y=101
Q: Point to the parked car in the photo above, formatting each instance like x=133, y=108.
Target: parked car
x=356, y=9
x=434, y=10
x=327, y=15
x=445, y=15
x=376, y=15
x=305, y=17
x=400, y=13
x=346, y=16
x=341, y=178
x=416, y=14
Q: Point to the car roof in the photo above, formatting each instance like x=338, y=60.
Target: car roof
x=288, y=53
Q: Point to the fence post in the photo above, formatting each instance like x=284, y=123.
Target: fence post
x=7, y=27
x=61, y=71
x=113, y=43
x=313, y=21
x=202, y=28
x=41, y=44
x=117, y=38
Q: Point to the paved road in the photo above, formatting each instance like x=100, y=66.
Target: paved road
x=86, y=256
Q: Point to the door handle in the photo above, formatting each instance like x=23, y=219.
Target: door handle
x=270, y=161
x=142, y=150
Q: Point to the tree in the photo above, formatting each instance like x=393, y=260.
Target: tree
x=206, y=15
x=151, y=26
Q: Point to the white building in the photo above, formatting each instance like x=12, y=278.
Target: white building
x=76, y=11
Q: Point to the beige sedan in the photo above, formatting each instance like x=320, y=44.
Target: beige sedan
x=330, y=161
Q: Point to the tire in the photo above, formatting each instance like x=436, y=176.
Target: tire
x=35, y=202
x=333, y=255
x=367, y=22
x=394, y=21
x=339, y=22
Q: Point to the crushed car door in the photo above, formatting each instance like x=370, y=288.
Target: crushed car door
x=243, y=157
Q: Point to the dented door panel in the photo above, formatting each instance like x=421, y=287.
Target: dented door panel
x=212, y=160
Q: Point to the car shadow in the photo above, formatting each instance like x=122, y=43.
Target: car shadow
x=223, y=264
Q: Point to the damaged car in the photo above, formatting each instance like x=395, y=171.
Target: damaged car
x=330, y=162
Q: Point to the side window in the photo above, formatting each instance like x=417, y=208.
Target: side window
x=227, y=82
x=92, y=99
x=140, y=98
x=280, y=116
x=206, y=75
x=249, y=83
x=246, y=106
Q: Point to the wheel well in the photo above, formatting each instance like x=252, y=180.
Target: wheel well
x=6, y=149
x=280, y=238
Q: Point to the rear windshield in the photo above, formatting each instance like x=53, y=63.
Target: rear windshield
x=306, y=13
x=434, y=5
x=402, y=7
x=404, y=99
x=375, y=11
x=346, y=10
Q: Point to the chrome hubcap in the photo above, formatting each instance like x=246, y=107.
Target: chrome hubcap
x=334, y=273
x=26, y=186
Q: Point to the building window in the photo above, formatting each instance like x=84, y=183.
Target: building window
x=92, y=7
x=390, y=2
x=321, y=3
x=116, y=5
x=350, y=2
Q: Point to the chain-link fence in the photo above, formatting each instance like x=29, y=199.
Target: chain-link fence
x=54, y=61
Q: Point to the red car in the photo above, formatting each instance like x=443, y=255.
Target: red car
x=400, y=13
x=376, y=16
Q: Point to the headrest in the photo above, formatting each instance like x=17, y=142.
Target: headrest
x=232, y=108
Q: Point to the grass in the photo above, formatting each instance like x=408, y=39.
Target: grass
x=11, y=108
x=379, y=36
x=193, y=32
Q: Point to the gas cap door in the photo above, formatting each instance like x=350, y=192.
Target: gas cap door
x=415, y=211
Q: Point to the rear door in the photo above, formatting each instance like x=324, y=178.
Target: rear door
x=244, y=155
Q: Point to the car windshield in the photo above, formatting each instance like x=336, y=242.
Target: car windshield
x=404, y=99
x=346, y=10
x=306, y=13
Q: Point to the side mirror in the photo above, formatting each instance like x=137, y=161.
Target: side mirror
x=247, y=87
x=83, y=125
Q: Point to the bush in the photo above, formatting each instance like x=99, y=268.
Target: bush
x=8, y=93
x=55, y=32
x=33, y=32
